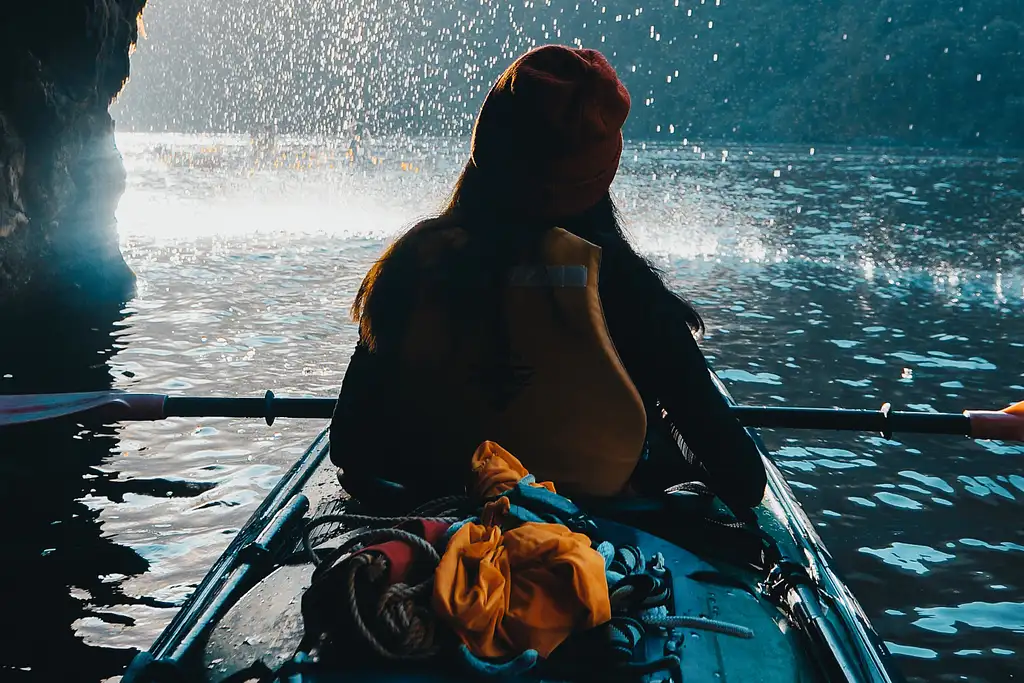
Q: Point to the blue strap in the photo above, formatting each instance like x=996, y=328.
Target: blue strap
x=456, y=526
x=519, y=664
x=536, y=504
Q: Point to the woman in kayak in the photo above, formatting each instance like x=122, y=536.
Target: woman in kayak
x=488, y=321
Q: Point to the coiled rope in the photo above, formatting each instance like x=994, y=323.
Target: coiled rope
x=402, y=616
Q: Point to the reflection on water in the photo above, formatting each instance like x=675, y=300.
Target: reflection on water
x=60, y=569
x=833, y=278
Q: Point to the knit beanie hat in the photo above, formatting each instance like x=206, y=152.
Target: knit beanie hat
x=550, y=131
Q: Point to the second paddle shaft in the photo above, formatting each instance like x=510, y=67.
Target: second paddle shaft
x=883, y=421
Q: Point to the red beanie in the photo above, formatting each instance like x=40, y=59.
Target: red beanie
x=550, y=130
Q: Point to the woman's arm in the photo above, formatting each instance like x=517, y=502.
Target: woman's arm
x=699, y=411
x=348, y=427
x=385, y=456
x=363, y=435
x=651, y=330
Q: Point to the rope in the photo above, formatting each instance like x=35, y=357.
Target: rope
x=623, y=635
x=398, y=614
x=409, y=624
x=696, y=487
x=402, y=615
x=447, y=505
x=374, y=520
x=700, y=624
x=367, y=520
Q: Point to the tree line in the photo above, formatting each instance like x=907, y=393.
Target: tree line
x=941, y=73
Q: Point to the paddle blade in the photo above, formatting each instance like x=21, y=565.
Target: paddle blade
x=1003, y=425
x=113, y=405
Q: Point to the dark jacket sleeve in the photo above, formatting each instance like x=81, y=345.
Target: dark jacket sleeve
x=348, y=428
x=384, y=455
x=363, y=436
x=649, y=326
x=699, y=411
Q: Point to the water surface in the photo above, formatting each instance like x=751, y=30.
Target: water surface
x=827, y=278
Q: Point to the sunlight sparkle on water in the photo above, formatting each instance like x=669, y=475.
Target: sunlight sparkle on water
x=678, y=203
x=189, y=187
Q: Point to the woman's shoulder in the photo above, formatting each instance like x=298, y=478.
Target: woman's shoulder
x=430, y=240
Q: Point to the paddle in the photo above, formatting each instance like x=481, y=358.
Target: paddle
x=118, y=405
x=1006, y=424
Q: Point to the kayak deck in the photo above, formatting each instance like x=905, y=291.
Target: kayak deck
x=267, y=623
x=777, y=587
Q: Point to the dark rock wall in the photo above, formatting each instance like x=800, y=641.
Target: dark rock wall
x=62, y=62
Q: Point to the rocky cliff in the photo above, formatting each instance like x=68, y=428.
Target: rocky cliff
x=61, y=65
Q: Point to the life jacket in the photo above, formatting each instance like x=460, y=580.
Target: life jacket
x=558, y=396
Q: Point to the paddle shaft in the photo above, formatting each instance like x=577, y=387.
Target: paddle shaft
x=116, y=406
x=268, y=407
x=832, y=419
x=841, y=419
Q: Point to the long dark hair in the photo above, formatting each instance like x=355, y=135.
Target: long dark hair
x=498, y=237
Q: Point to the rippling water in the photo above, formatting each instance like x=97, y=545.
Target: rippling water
x=828, y=278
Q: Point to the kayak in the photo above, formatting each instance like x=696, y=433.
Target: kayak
x=751, y=600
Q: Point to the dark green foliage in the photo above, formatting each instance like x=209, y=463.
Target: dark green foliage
x=812, y=71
